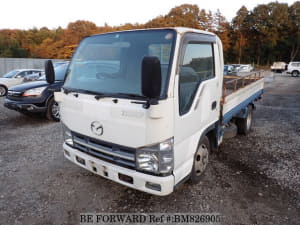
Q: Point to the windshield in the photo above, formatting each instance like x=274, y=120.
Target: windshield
x=60, y=72
x=11, y=74
x=111, y=63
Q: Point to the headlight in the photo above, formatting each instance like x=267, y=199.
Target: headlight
x=67, y=135
x=34, y=91
x=157, y=158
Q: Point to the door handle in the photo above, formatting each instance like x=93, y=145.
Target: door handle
x=214, y=105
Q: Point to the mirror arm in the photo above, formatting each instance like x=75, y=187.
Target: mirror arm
x=146, y=104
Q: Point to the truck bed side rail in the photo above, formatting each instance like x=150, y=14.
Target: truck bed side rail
x=233, y=83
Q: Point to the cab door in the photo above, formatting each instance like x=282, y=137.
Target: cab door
x=197, y=97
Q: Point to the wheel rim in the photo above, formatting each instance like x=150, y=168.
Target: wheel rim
x=201, y=159
x=55, y=110
x=295, y=73
x=249, y=120
x=2, y=91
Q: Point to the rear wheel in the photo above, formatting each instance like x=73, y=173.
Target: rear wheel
x=3, y=90
x=53, y=110
x=295, y=73
x=245, y=124
x=200, y=160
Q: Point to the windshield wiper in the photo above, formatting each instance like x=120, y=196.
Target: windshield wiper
x=77, y=90
x=99, y=95
x=96, y=94
x=104, y=95
x=126, y=95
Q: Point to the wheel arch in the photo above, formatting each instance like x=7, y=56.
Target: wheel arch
x=212, y=134
x=49, y=98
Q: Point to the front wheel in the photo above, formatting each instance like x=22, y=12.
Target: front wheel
x=200, y=160
x=3, y=90
x=245, y=124
x=53, y=110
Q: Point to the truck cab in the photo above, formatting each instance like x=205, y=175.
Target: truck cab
x=144, y=108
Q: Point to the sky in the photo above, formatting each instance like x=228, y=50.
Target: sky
x=27, y=14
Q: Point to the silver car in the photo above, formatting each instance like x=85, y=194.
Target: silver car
x=13, y=78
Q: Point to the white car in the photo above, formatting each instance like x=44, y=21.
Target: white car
x=13, y=78
x=294, y=69
x=246, y=68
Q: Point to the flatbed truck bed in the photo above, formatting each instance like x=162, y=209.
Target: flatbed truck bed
x=239, y=92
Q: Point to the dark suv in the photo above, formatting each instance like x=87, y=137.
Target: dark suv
x=37, y=96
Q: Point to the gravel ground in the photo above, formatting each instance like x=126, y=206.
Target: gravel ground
x=253, y=179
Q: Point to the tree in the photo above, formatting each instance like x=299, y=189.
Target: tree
x=268, y=32
x=78, y=30
x=267, y=29
x=222, y=29
x=185, y=15
x=294, y=30
x=240, y=29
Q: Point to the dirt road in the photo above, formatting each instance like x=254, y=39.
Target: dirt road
x=253, y=180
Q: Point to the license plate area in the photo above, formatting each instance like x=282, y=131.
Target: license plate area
x=80, y=160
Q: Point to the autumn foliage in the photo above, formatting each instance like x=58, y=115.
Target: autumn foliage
x=270, y=32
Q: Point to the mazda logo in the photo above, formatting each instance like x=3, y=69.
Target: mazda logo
x=97, y=128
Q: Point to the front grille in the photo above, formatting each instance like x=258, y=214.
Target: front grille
x=14, y=93
x=109, y=152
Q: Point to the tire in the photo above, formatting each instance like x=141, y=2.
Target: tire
x=295, y=73
x=3, y=90
x=244, y=125
x=200, y=160
x=53, y=110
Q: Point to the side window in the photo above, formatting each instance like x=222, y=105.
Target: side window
x=197, y=65
x=295, y=64
x=22, y=74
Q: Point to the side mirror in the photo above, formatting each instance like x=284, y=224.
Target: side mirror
x=151, y=78
x=49, y=70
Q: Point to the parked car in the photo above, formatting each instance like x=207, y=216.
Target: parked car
x=36, y=76
x=56, y=64
x=228, y=69
x=33, y=77
x=246, y=68
x=236, y=67
x=294, y=69
x=13, y=78
x=37, y=96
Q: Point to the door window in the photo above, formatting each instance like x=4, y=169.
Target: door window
x=197, y=66
x=22, y=74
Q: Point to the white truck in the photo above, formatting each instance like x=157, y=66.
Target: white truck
x=145, y=108
x=278, y=67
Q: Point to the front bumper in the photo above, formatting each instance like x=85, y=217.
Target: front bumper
x=133, y=179
x=23, y=107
